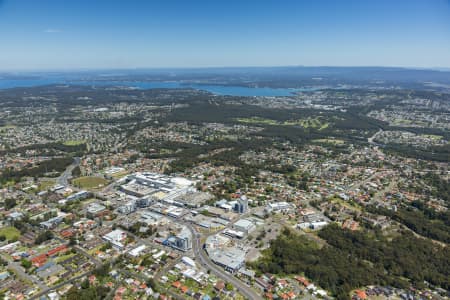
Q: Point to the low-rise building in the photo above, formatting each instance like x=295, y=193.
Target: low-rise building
x=116, y=238
x=95, y=210
x=137, y=251
x=233, y=233
x=231, y=259
x=278, y=207
x=244, y=225
x=78, y=196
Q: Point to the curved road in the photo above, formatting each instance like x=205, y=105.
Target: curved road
x=67, y=174
x=371, y=139
x=202, y=257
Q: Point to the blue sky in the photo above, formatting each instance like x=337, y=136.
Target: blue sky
x=64, y=34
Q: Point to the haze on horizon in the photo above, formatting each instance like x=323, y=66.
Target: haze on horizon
x=52, y=34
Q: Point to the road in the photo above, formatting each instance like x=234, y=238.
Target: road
x=59, y=285
x=371, y=139
x=83, y=252
x=167, y=267
x=203, y=258
x=97, y=262
x=200, y=256
x=63, y=179
x=21, y=273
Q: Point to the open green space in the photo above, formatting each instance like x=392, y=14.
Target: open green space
x=348, y=204
x=89, y=182
x=46, y=184
x=433, y=137
x=73, y=142
x=309, y=122
x=315, y=123
x=3, y=129
x=257, y=120
x=10, y=233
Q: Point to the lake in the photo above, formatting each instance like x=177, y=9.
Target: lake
x=215, y=89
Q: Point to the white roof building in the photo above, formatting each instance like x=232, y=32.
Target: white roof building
x=233, y=233
x=181, y=181
x=188, y=261
x=137, y=251
x=244, y=225
x=278, y=206
x=231, y=259
x=116, y=238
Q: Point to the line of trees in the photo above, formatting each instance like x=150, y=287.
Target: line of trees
x=52, y=165
x=435, y=226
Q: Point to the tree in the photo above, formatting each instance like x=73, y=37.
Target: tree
x=85, y=284
x=229, y=286
x=25, y=263
x=10, y=203
x=72, y=241
x=76, y=172
x=151, y=283
x=45, y=236
x=354, y=259
x=106, y=246
x=102, y=271
x=3, y=262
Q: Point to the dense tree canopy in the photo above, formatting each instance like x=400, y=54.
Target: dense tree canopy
x=354, y=259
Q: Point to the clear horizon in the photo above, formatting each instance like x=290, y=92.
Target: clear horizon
x=51, y=35
x=63, y=70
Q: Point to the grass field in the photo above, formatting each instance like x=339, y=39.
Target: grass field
x=4, y=129
x=347, y=204
x=315, y=123
x=89, y=182
x=73, y=143
x=257, y=120
x=432, y=137
x=119, y=174
x=11, y=233
x=46, y=184
x=64, y=257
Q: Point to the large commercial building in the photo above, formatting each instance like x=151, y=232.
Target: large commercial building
x=148, y=183
x=151, y=187
x=244, y=225
x=231, y=259
x=150, y=218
